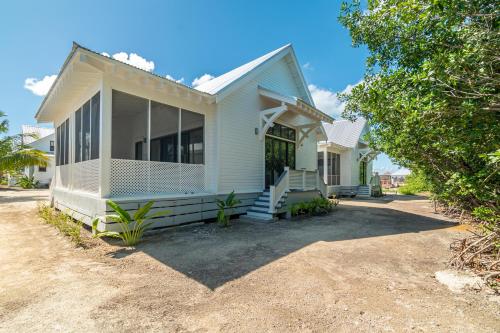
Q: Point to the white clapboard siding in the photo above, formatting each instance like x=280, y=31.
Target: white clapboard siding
x=241, y=163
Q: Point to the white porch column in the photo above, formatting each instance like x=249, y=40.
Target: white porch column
x=105, y=138
x=325, y=166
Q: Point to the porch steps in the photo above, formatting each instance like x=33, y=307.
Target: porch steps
x=260, y=208
x=364, y=191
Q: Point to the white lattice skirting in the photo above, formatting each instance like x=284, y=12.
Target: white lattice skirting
x=129, y=177
x=81, y=176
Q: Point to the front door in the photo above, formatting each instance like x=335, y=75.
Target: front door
x=280, y=152
x=362, y=173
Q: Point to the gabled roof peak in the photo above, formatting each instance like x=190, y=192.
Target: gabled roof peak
x=217, y=84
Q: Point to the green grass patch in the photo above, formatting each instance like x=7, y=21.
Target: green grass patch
x=63, y=222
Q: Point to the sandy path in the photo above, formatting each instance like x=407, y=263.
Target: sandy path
x=367, y=267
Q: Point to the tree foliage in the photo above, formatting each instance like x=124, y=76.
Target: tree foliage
x=431, y=90
x=14, y=153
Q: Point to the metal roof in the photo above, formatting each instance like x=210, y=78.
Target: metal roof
x=345, y=133
x=220, y=82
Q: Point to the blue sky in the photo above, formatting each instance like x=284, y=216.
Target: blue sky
x=184, y=39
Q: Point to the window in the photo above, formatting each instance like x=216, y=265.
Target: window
x=51, y=146
x=42, y=169
x=333, y=168
x=282, y=131
x=87, y=127
x=138, y=151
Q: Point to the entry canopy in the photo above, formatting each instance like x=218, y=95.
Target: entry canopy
x=297, y=105
x=293, y=104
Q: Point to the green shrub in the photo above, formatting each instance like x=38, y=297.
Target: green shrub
x=226, y=209
x=317, y=206
x=133, y=228
x=414, y=183
x=63, y=222
x=27, y=182
x=490, y=217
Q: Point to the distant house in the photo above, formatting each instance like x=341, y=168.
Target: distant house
x=344, y=159
x=42, y=139
x=385, y=180
x=398, y=177
x=126, y=134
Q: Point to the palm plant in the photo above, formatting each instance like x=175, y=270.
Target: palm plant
x=28, y=182
x=14, y=153
x=133, y=227
x=226, y=208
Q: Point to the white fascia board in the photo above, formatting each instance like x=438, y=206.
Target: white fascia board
x=277, y=96
x=301, y=76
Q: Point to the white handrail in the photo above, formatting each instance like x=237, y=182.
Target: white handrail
x=277, y=191
x=322, y=187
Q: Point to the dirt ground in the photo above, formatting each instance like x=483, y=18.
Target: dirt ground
x=368, y=266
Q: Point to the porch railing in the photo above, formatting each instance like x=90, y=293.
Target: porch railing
x=295, y=180
x=131, y=177
x=81, y=176
x=277, y=191
x=303, y=180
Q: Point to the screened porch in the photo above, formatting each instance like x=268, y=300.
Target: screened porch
x=155, y=148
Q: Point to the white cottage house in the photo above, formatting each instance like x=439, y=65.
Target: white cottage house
x=132, y=136
x=42, y=139
x=345, y=161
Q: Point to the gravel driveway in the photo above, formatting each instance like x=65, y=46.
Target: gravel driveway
x=368, y=266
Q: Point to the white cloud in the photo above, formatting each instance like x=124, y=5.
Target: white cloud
x=328, y=101
x=202, y=79
x=132, y=59
x=308, y=66
x=40, y=87
x=181, y=80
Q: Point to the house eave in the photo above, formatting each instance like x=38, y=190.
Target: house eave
x=103, y=64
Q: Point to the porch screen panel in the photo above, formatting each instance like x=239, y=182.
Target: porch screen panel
x=333, y=168
x=95, y=126
x=164, y=132
x=338, y=169
x=86, y=131
x=129, y=126
x=78, y=136
x=58, y=146
x=192, y=142
x=66, y=141
x=321, y=166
